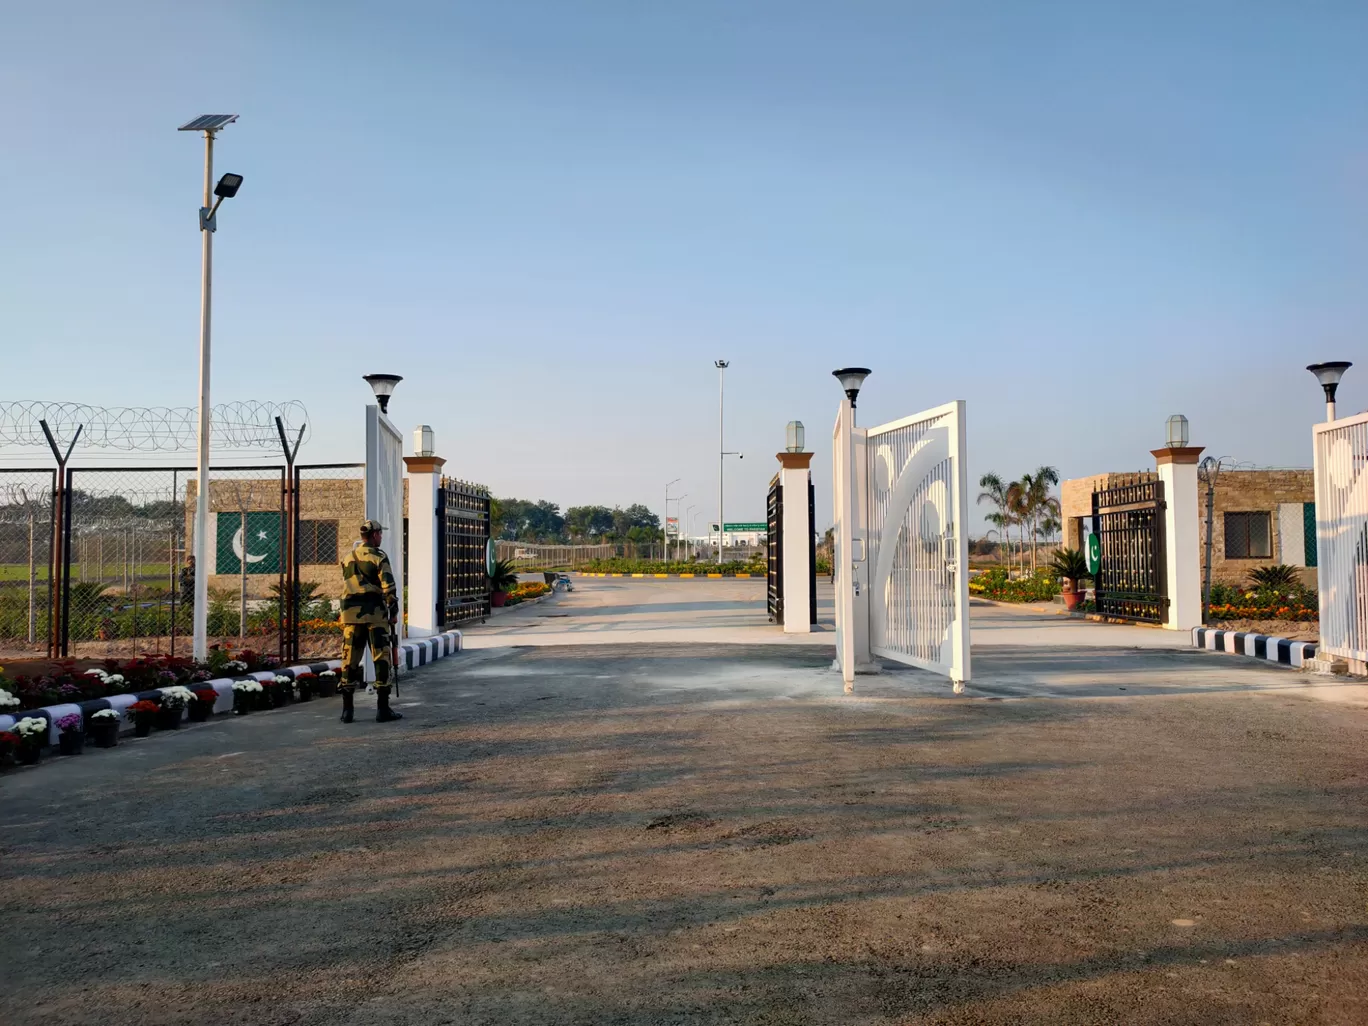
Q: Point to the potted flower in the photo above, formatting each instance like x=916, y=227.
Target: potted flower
x=305, y=684
x=173, y=703
x=7, y=701
x=327, y=684
x=32, y=731
x=144, y=713
x=104, y=727
x=284, y=689
x=245, y=694
x=234, y=666
x=1071, y=567
x=203, y=704
x=71, y=740
x=502, y=580
x=9, y=746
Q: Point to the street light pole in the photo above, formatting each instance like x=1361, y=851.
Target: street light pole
x=665, y=522
x=1329, y=374
x=721, y=366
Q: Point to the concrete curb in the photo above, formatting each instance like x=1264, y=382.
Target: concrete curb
x=414, y=653
x=585, y=573
x=1257, y=646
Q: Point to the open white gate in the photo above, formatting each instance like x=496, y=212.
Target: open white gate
x=902, y=556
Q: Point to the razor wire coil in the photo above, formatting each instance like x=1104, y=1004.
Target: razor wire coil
x=238, y=425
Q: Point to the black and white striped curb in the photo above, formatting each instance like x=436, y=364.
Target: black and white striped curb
x=414, y=653
x=1259, y=646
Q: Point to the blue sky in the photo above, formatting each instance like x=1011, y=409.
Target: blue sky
x=551, y=217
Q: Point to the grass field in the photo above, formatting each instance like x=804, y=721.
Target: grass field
x=18, y=572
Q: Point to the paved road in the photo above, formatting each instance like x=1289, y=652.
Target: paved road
x=666, y=833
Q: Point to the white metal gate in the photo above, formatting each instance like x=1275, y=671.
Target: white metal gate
x=901, y=540
x=918, y=548
x=1341, y=461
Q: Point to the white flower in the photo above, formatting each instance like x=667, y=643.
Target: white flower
x=31, y=726
x=114, y=678
x=282, y=679
x=105, y=714
x=177, y=696
x=328, y=673
x=97, y=672
x=235, y=666
x=6, y=699
x=247, y=685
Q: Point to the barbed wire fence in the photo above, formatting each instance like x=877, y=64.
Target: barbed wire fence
x=93, y=559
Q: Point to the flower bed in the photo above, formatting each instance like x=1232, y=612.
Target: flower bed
x=642, y=566
x=995, y=584
x=527, y=591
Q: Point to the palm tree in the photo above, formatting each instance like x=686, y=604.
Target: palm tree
x=1019, y=508
x=995, y=491
x=1037, y=502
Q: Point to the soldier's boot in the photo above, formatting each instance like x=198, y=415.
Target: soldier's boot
x=348, y=709
x=383, y=713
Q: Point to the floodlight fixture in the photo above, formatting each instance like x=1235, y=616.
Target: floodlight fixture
x=228, y=186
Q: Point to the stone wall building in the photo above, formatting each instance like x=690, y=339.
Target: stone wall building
x=1260, y=518
x=330, y=513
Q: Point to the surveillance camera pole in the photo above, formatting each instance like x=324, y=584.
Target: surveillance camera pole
x=201, y=627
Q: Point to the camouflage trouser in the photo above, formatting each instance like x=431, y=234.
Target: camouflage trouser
x=355, y=638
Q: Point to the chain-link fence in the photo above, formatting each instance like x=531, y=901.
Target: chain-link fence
x=25, y=561
x=124, y=587
x=330, y=503
x=247, y=556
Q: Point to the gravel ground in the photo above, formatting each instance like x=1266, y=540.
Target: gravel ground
x=711, y=834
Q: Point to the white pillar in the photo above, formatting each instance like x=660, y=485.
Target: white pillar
x=843, y=496
x=864, y=658
x=424, y=541
x=797, y=527
x=1182, y=540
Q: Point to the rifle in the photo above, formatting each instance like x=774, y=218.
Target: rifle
x=394, y=656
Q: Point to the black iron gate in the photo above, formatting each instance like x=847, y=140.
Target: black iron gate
x=1128, y=520
x=774, y=552
x=462, y=581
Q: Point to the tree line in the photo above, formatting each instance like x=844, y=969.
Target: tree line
x=542, y=521
x=1026, y=505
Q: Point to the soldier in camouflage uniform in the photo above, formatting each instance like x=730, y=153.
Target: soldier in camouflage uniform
x=370, y=608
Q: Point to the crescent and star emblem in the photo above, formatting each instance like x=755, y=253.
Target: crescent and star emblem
x=246, y=557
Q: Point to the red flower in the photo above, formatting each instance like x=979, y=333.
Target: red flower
x=8, y=741
x=206, y=695
x=144, y=707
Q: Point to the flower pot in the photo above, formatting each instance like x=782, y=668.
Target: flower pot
x=498, y=598
x=305, y=691
x=1073, y=595
x=71, y=742
x=29, y=753
x=242, y=703
x=199, y=711
x=169, y=718
x=142, y=723
x=327, y=687
x=105, y=734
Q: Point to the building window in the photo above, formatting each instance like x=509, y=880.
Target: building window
x=1248, y=536
x=317, y=541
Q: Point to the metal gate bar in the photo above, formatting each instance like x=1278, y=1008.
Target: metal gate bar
x=1128, y=520
x=774, y=552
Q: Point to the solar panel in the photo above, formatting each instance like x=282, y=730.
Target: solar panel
x=208, y=123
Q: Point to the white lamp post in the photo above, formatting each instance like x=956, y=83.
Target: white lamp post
x=227, y=188
x=1329, y=374
x=851, y=379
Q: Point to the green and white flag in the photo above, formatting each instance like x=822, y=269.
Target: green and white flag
x=259, y=545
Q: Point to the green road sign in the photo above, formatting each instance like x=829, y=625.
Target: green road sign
x=1094, y=554
x=258, y=544
x=742, y=527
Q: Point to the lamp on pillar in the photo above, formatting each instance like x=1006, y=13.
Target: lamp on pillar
x=383, y=387
x=794, y=436
x=426, y=539
x=1329, y=374
x=1177, y=431
x=422, y=441
x=851, y=379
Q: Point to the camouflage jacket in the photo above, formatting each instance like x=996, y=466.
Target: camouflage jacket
x=369, y=595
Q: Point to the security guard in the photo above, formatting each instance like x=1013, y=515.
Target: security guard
x=370, y=608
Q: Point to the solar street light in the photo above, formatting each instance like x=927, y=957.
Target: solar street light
x=383, y=387
x=210, y=125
